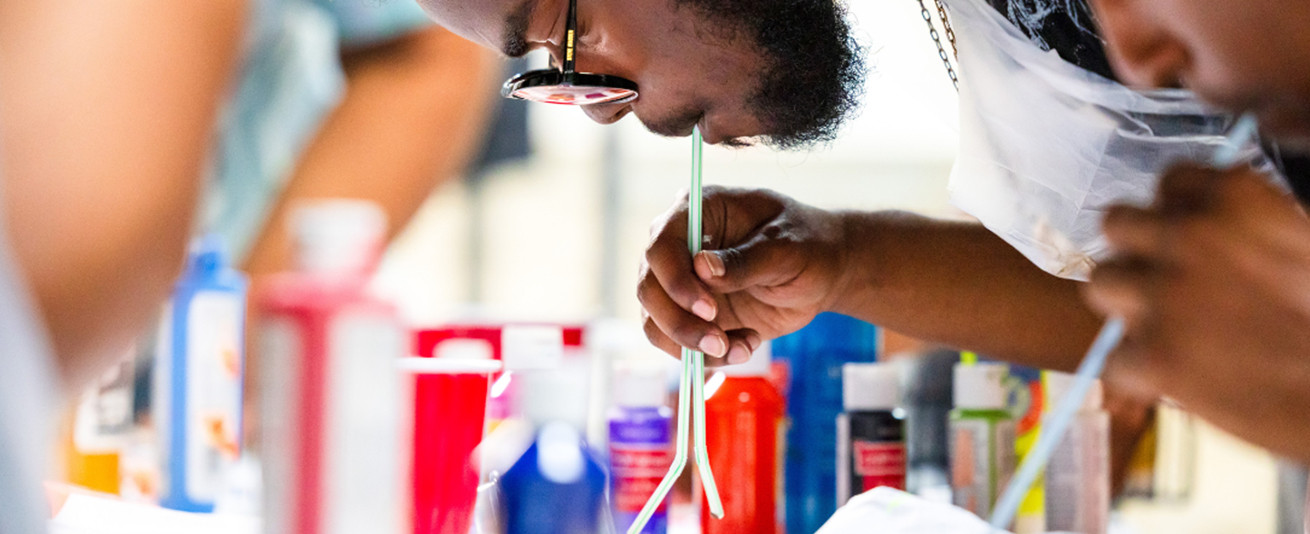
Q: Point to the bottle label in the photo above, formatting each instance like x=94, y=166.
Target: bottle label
x=213, y=390
x=637, y=472
x=982, y=461
x=879, y=464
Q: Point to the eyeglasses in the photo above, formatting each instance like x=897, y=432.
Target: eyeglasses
x=567, y=86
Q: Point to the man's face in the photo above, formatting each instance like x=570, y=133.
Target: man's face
x=1247, y=55
x=689, y=70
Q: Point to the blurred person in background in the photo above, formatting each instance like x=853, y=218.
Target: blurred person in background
x=106, y=110
x=339, y=99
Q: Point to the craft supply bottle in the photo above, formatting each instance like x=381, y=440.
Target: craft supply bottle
x=1078, y=474
x=197, y=379
x=814, y=356
x=330, y=396
x=556, y=486
x=743, y=417
x=982, y=437
x=871, y=433
x=640, y=445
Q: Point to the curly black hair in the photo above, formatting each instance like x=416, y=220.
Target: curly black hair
x=814, y=75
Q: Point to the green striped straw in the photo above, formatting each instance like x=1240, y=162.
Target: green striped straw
x=692, y=382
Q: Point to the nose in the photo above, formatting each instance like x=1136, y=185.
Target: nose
x=607, y=113
x=1142, y=50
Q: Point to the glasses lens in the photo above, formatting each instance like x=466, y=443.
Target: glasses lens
x=574, y=88
x=577, y=95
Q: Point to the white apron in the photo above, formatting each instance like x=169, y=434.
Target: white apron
x=1046, y=146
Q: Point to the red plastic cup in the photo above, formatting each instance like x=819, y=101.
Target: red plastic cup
x=450, y=404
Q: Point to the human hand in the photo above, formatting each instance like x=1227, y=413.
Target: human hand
x=1213, y=282
x=769, y=265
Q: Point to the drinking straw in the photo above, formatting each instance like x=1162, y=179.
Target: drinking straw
x=1089, y=370
x=692, y=381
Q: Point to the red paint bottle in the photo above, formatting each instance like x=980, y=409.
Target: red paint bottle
x=743, y=429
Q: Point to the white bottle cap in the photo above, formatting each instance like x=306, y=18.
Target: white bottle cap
x=524, y=347
x=555, y=395
x=640, y=385
x=760, y=363
x=464, y=349
x=980, y=386
x=870, y=386
x=338, y=236
x=1058, y=385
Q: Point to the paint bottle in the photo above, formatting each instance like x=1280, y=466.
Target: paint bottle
x=1078, y=474
x=1027, y=404
x=743, y=430
x=640, y=445
x=814, y=356
x=97, y=429
x=556, y=486
x=197, y=379
x=871, y=433
x=982, y=437
x=330, y=396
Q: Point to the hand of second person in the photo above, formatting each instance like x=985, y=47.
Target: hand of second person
x=1213, y=282
x=769, y=265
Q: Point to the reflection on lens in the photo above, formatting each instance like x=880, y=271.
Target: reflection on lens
x=578, y=95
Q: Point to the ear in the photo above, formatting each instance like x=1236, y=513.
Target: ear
x=1141, y=48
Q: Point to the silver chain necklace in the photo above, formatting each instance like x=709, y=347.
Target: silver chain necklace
x=936, y=39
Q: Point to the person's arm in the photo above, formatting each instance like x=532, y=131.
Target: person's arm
x=773, y=263
x=959, y=284
x=106, y=109
x=415, y=109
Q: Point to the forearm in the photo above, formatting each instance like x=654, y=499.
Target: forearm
x=958, y=284
x=414, y=111
x=106, y=111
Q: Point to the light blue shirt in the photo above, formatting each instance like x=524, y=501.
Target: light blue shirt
x=290, y=80
x=29, y=401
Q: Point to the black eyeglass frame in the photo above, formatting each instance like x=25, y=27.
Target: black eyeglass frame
x=567, y=75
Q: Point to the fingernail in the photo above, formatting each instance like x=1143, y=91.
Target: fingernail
x=712, y=346
x=703, y=309
x=715, y=264
x=753, y=341
x=738, y=354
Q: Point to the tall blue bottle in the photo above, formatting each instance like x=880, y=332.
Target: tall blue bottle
x=557, y=486
x=815, y=355
x=198, y=370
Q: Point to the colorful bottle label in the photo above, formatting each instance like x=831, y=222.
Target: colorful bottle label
x=213, y=391
x=982, y=460
x=878, y=464
x=870, y=453
x=640, y=454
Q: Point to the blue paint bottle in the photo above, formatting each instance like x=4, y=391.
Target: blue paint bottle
x=198, y=370
x=557, y=486
x=815, y=356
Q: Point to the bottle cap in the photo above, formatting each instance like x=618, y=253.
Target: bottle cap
x=640, y=385
x=870, y=386
x=463, y=349
x=338, y=236
x=759, y=365
x=554, y=395
x=1058, y=385
x=980, y=386
x=524, y=347
x=207, y=256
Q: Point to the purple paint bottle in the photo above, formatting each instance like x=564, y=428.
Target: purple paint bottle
x=640, y=445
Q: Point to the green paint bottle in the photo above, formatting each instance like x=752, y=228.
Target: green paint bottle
x=982, y=435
